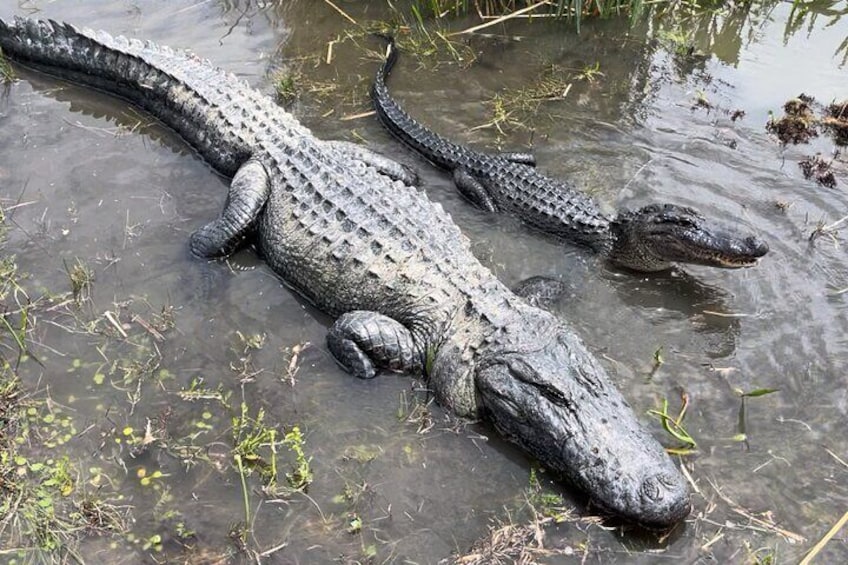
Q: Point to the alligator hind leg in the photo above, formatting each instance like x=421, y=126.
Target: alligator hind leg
x=473, y=190
x=249, y=190
x=521, y=158
x=364, y=342
x=384, y=165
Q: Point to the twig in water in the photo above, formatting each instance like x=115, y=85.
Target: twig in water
x=791, y=537
x=501, y=19
x=636, y=174
x=340, y=11
x=827, y=229
x=827, y=537
x=835, y=456
x=357, y=116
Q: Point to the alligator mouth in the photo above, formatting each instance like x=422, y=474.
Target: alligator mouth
x=750, y=251
x=735, y=262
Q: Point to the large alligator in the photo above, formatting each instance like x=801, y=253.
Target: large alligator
x=652, y=238
x=407, y=293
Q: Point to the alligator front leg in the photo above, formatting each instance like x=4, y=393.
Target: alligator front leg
x=384, y=165
x=541, y=292
x=364, y=342
x=249, y=190
x=473, y=190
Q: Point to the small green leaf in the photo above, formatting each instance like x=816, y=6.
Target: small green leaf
x=759, y=392
x=658, y=356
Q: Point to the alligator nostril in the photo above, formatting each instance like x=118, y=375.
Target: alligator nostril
x=667, y=497
x=658, y=487
x=757, y=246
x=651, y=490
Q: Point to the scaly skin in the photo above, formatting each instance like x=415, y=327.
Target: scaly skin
x=653, y=238
x=387, y=263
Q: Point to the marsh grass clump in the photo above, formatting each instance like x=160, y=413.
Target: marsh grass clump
x=428, y=41
x=300, y=476
x=256, y=446
x=517, y=108
x=287, y=85
x=573, y=10
x=81, y=277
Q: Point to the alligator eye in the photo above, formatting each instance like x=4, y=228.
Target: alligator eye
x=521, y=369
x=681, y=221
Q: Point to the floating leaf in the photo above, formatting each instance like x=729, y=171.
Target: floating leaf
x=759, y=392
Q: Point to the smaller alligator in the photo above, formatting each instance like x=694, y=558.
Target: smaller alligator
x=652, y=238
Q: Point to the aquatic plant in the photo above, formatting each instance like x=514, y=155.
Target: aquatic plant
x=7, y=74
x=673, y=425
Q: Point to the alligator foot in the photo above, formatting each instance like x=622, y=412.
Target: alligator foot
x=363, y=342
x=520, y=158
x=473, y=190
x=249, y=190
x=384, y=165
x=540, y=291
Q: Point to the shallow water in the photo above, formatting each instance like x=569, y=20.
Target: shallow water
x=93, y=180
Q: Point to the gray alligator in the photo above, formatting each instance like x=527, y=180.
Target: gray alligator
x=652, y=238
x=391, y=267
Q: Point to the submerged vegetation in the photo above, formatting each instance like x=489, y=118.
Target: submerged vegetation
x=7, y=74
x=55, y=498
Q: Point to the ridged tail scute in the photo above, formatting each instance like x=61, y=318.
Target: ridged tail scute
x=405, y=128
x=51, y=43
x=185, y=92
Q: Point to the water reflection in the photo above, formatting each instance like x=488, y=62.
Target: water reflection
x=678, y=294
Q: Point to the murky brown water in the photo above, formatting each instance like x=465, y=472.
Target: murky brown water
x=124, y=202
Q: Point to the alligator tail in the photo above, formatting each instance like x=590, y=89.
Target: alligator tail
x=404, y=127
x=391, y=57
x=175, y=86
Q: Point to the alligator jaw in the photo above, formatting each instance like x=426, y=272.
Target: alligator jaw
x=655, y=237
x=559, y=405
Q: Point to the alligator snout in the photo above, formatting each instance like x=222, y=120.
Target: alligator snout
x=558, y=403
x=664, y=499
x=756, y=246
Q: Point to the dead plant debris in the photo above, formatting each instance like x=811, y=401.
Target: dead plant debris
x=835, y=121
x=798, y=124
x=512, y=543
x=816, y=168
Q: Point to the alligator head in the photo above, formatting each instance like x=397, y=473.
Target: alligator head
x=657, y=236
x=540, y=387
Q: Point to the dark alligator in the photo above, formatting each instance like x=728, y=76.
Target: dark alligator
x=390, y=266
x=652, y=238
